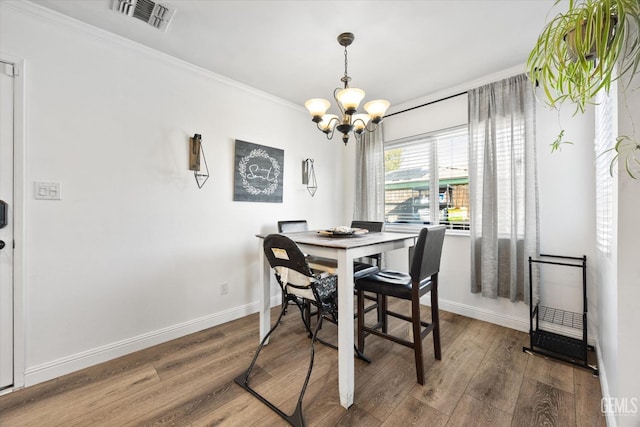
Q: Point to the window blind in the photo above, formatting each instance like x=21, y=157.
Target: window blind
x=605, y=136
x=425, y=171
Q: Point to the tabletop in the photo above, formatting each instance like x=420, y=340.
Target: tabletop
x=346, y=242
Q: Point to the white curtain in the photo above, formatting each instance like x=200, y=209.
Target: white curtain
x=369, y=191
x=503, y=188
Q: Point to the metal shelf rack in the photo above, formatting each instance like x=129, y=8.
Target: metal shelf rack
x=551, y=344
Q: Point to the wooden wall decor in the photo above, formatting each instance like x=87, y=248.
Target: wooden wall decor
x=258, y=173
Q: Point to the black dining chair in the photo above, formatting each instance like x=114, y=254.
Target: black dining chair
x=372, y=227
x=374, y=260
x=298, y=282
x=292, y=226
x=422, y=278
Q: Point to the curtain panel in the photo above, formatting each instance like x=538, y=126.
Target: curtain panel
x=503, y=188
x=369, y=191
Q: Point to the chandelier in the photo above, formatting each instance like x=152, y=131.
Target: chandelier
x=348, y=100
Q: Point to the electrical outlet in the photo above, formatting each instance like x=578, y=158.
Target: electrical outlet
x=47, y=191
x=224, y=288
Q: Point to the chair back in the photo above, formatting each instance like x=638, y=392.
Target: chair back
x=427, y=253
x=281, y=251
x=292, y=226
x=288, y=261
x=293, y=272
x=372, y=226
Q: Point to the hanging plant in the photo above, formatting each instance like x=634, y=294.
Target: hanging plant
x=627, y=152
x=583, y=50
x=577, y=52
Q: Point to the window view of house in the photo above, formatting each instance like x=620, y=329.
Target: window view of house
x=413, y=164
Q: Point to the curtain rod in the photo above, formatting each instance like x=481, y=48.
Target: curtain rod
x=424, y=105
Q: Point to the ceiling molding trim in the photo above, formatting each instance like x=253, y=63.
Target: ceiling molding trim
x=37, y=11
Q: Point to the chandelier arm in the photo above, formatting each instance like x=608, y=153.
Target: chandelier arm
x=332, y=125
x=375, y=126
x=361, y=121
x=335, y=93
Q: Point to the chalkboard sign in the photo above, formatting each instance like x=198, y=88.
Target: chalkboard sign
x=258, y=173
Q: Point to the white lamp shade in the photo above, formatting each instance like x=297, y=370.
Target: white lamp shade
x=376, y=108
x=325, y=123
x=360, y=121
x=350, y=98
x=317, y=106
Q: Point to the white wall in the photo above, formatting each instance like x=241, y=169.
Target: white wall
x=134, y=253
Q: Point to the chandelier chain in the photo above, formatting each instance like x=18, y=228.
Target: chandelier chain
x=346, y=75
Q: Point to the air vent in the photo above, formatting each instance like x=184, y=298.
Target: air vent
x=157, y=15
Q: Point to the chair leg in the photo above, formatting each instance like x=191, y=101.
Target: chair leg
x=305, y=314
x=435, y=319
x=296, y=418
x=379, y=312
x=312, y=357
x=385, y=316
x=244, y=378
x=417, y=339
x=360, y=322
x=283, y=303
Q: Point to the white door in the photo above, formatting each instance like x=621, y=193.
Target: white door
x=6, y=224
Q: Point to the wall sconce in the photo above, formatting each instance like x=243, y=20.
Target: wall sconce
x=309, y=176
x=196, y=151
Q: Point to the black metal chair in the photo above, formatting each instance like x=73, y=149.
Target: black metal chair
x=316, y=262
x=298, y=283
x=331, y=265
x=422, y=278
x=328, y=264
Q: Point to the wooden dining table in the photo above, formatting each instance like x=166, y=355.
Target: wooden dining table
x=344, y=249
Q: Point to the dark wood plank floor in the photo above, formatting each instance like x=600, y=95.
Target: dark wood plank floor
x=483, y=379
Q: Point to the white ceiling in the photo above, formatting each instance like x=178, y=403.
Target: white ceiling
x=403, y=50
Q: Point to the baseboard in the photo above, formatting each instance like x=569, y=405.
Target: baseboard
x=500, y=319
x=508, y=321
x=604, y=387
x=75, y=362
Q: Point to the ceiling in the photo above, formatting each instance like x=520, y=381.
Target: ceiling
x=403, y=50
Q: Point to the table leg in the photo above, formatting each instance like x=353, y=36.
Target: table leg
x=345, y=329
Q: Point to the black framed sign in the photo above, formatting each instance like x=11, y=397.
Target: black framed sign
x=258, y=173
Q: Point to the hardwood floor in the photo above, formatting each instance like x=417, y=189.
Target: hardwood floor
x=483, y=379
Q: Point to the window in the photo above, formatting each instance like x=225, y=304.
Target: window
x=605, y=136
x=413, y=164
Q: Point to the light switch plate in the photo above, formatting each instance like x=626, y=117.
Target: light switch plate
x=47, y=191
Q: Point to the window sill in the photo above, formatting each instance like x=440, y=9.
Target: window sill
x=408, y=228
